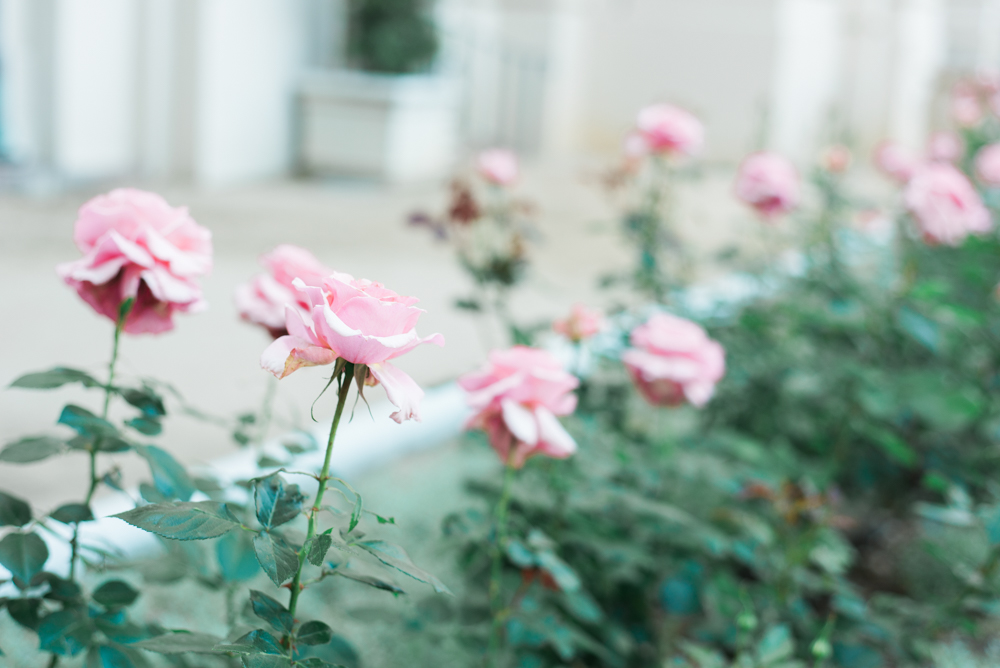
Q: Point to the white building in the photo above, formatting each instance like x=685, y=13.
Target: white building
x=207, y=90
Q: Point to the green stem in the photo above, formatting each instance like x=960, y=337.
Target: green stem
x=324, y=476
x=496, y=604
x=123, y=312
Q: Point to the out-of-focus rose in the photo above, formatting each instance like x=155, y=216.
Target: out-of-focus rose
x=896, y=161
x=836, y=159
x=945, y=147
x=498, y=166
x=966, y=110
x=359, y=321
x=988, y=165
x=769, y=183
x=581, y=324
x=673, y=361
x=670, y=130
x=263, y=299
x=135, y=245
x=945, y=205
x=517, y=397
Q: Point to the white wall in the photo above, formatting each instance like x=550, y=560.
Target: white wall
x=713, y=56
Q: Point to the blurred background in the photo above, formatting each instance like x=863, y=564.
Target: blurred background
x=325, y=123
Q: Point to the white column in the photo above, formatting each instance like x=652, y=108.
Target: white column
x=807, y=75
x=988, y=53
x=920, y=57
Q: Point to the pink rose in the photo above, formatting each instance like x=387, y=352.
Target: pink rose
x=581, y=324
x=769, y=183
x=988, y=165
x=517, y=397
x=966, y=111
x=670, y=130
x=498, y=166
x=135, y=245
x=945, y=147
x=836, y=159
x=945, y=205
x=359, y=321
x=262, y=301
x=673, y=360
x=896, y=162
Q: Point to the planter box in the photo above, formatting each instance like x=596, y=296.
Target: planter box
x=393, y=128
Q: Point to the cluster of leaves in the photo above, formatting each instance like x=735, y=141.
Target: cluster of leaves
x=661, y=266
x=391, y=36
x=836, y=504
x=252, y=523
x=489, y=232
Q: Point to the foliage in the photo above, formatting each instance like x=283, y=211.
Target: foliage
x=391, y=36
x=834, y=505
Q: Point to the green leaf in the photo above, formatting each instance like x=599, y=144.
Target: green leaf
x=66, y=632
x=178, y=642
x=276, y=501
x=31, y=449
x=396, y=557
x=115, y=594
x=59, y=590
x=85, y=423
x=145, y=399
x=71, y=513
x=314, y=633
x=315, y=662
x=196, y=520
x=255, y=642
x=271, y=611
x=265, y=661
x=923, y=330
x=169, y=476
x=370, y=580
x=356, y=512
x=318, y=548
x=776, y=645
x=24, y=611
x=145, y=425
x=894, y=447
x=23, y=554
x=14, y=512
x=237, y=561
x=105, y=656
x=53, y=378
x=275, y=557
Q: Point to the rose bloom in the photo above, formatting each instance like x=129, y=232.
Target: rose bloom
x=836, y=159
x=769, y=183
x=945, y=205
x=581, y=324
x=135, y=245
x=988, y=165
x=498, y=166
x=945, y=147
x=673, y=361
x=517, y=397
x=670, y=130
x=262, y=301
x=896, y=161
x=359, y=321
x=966, y=110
